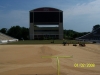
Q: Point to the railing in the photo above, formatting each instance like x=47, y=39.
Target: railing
x=44, y=33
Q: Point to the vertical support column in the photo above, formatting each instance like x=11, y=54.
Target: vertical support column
x=31, y=31
x=31, y=28
x=60, y=30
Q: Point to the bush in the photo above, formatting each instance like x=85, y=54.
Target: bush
x=94, y=42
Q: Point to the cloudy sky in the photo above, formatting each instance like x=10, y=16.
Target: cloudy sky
x=78, y=15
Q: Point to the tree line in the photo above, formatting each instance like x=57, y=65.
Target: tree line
x=17, y=32
x=23, y=32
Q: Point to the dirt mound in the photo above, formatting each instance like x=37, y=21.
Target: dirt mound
x=47, y=51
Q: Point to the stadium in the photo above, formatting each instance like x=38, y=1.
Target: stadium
x=41, y=57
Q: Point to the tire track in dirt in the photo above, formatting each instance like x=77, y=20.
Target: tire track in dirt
x=15, y=66
x=44, y=50
x=48, y=51
x=93, y=48
x=67, y=68
x=89, y=49
x=52, y=52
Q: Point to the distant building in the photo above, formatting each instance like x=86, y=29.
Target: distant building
x=46, y=16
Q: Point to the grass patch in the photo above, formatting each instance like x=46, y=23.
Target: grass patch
x=44, y=42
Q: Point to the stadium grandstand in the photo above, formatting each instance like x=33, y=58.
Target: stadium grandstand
x=93, y=36
x=5, y=38
x=46, y=32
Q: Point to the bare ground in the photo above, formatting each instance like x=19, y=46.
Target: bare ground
x=26, y=59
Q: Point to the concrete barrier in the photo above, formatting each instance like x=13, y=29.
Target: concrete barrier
x=7, y=41
x=13, y=40
x=3, y=41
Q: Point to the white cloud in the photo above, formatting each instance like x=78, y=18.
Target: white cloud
x=82, y=17
x=91, y=8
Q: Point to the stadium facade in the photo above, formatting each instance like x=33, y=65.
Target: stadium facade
x=46, y=16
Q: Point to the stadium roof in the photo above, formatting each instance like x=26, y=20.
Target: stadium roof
x=47, y=9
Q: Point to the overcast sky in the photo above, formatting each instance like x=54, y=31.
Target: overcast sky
x=78, y=15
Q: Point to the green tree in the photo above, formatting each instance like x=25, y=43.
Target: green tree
x=15, y=31
x=95, y=27
x=19, y=32
x=70, y=34
x=3, y=30
x=25, y=33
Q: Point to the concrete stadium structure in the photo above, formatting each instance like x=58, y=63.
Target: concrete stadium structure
x=46, y=16
x=92, y=36
x=5, y=38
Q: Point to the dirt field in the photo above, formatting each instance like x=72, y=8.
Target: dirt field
x=26, y=60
